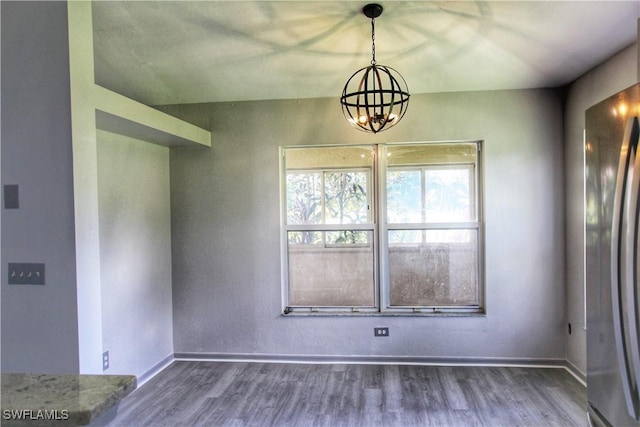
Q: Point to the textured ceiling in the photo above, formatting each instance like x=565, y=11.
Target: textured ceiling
x=163, y=52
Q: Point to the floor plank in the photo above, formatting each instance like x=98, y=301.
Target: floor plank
x=190, y=393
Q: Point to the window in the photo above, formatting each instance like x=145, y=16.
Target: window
x=382, y=228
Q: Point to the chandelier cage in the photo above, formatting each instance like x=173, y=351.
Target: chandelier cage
x=375, y=97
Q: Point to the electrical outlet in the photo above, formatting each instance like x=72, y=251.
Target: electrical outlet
x=21, y=273
x=105, y=360
x=381, y=332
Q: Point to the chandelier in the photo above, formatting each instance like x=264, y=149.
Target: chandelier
x=376, y=97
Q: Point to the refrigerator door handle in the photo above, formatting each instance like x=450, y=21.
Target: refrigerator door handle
x=623, y=280
x=632, y=216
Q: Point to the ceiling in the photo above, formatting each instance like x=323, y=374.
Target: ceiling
x=165, y=52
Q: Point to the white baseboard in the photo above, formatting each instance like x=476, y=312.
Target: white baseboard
x=363, y=360
x=576, y=372
x=156, y=369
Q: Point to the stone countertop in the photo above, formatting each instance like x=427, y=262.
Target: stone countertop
x=60, y=399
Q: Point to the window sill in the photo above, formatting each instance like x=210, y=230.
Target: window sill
x=380, y=314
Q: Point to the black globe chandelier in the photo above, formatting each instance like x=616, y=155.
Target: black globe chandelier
x=376, y=97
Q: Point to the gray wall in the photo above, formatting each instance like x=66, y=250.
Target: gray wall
x=135, y=252
x=39, y=323
x=226, y=245
x=614, y=75
x=225, y=225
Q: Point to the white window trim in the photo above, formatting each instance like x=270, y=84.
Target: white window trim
x=379, y=228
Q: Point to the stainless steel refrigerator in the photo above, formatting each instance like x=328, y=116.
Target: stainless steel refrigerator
x=612, y=267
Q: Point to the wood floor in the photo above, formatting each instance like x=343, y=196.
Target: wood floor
x=274, y=394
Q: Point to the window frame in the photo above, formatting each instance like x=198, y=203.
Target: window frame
x=379, y=228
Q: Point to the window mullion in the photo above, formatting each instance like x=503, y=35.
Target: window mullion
x=382, y=266
x=330, y=227
x=434, y=226
x=323, y=218
x=423, y=201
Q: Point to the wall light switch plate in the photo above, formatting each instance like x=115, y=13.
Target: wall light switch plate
x=21, y=273
x=11, y=197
